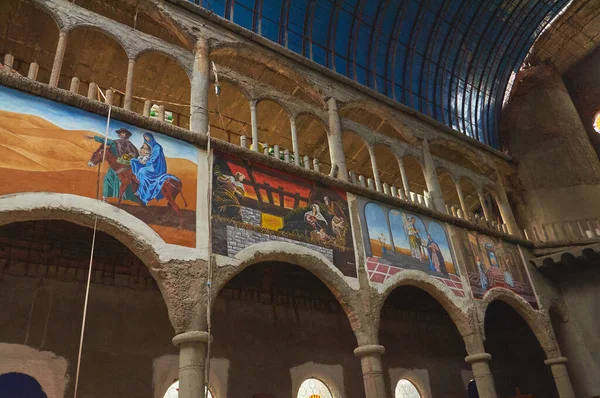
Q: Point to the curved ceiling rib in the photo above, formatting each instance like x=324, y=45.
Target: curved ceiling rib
x=448, y=59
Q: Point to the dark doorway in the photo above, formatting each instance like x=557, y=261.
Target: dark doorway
x=517, y=357
x=19, y=385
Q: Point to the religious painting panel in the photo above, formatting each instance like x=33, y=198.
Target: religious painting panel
x=252, y=203
x=492, y=263
x=46, y=146
x=397, y=240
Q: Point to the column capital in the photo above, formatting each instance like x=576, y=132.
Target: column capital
x=556, y=361
x=482, y=357
x=190, y=337
x=253, y=103
x=332, y=104
x=369, y=349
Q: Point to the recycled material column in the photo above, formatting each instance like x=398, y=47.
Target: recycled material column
x=192, y=358
x=370, y=361
x=200, y=84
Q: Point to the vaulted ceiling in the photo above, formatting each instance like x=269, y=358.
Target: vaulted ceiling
x=449, y=59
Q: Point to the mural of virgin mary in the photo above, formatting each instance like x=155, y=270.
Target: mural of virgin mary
x=151, y=173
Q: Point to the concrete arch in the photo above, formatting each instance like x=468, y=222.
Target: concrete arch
x=265, y=98
x=129, y=230
x=324, y=123
x=99, y=28
x=538, y=324
x=61, y=24
x=232, y=82
x=46, y=367
x=436, y=289
x=294, y=254
x=184, y=63
x=384, y=115
x=243, y=50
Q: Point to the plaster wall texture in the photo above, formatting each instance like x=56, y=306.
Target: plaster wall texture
x=578, y=335
x=126, y=330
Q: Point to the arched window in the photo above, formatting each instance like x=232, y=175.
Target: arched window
x=314, y=388
x=173, y=391
x=406, y=389
x=597, y=123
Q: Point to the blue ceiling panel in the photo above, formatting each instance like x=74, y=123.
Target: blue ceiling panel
x=449, y=59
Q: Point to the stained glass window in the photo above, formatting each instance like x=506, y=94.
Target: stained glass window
x=314, y=388
x=406, y=389
x=173, y=391
x=597, y=123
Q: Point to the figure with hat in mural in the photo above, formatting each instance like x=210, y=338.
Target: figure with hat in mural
x=124, y=151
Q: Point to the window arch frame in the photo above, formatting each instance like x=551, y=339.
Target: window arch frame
x=412, y=383
x=210, y=394
x=313, y=394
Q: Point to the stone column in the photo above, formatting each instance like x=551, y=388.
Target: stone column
x=295, y=141
x=58, y=58
x=370, y=361
x=483, y=375
x=199, y=86
x=404, y=177
x=336, y=149
x=74, y=88
x=486, y=210
x=192, y=362
x=129, y=85
x=9, y=61
x=505, y=210
x=92, y=93
x=433, y=185
x=371, y=150
x=461, y=198
x=558, y=366
x=33, y=71
x=254, y=126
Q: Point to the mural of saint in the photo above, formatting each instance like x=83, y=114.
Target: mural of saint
x=124, y=150
x=227, y=192
x=436, y=258
x=414, y=239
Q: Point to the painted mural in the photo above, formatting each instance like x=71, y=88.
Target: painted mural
x=491, y=263
x=252, y=203
x=396, y=240
x=46, y=146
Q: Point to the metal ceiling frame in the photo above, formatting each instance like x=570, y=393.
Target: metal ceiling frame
x=445, y=76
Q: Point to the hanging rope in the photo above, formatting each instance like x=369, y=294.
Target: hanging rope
x=89, y=277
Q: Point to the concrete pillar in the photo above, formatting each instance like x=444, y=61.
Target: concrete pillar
x=192, y=358
x=129, y=85
x=557, y=165
x=370, y=361
x=433, y=185
x=558, y=366
x=316, y=165
x=92, y=93
x=74, y=88
x=199, y=88
x=9, y=60
x=486, y=210
x=33, y=71
x=378, y=185
x=505, y=210
x=461, y=197
x=295, y=149
x=265, y=149
x=243, y=141
x=386, y=188
x=147, y=108
x=254, y=125
x=109, y=96
x=393, y=191
x=276, y=152
x=161, y=113
x=58, y=58
x=404, y=177
x=336, y=149
x=370, y=183
x=286, y=155
x=483, y=375
x=307, y=163
x=361, y=180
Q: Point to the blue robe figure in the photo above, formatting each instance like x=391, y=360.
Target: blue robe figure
x=152, y=174
x=482, y=276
